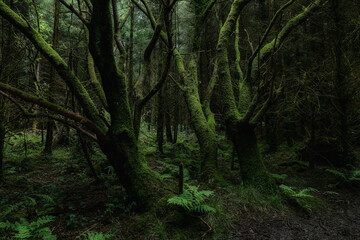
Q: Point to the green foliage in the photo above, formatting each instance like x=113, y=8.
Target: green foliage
x=119, y=203
x=30, y=230
x=302, y=197
x=169, y=170
x=349, y=177
x=193, y=200
x=304, y=193
x=95, y=236
x=279, y=177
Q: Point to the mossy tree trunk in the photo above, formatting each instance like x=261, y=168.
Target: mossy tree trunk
x=117, y=141
x=241, y=118
x=120, y=145
x=202, y=119
x=204, y=127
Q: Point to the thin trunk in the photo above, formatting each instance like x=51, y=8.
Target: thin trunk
x=131, y=55
x=2, y=137
x=160, y=121
x=86, y=152
x=169, y=137
x=176, y=122
x=341, y=74
x=50, y=124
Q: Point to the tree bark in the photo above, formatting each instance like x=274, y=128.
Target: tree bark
x=50, y=123
x=120, y=146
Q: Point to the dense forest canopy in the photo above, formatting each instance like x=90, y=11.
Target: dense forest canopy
x=144, y=105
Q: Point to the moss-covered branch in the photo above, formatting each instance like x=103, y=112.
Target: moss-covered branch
x=265, y=35
x=265, y=51
x=60, y=65
x=53, y=107
x=229, y=103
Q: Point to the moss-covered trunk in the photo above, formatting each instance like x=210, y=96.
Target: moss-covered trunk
x=120, y=145
x=252, y=168
x=203, y=125
x=134, y=174
x=253, y=171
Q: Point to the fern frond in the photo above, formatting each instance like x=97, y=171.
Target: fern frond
x=30, y=201
x=42, y=221
x=192, y=200
x=336, y=173
x=287, y=189
x=23, y=232
x=46, y=197
x=279, y=177
x=7, y=225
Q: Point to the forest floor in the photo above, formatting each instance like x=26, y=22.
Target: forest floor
x=313, y=204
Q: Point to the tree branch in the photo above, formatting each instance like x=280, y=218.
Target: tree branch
x=77, y=13
x=53, y=107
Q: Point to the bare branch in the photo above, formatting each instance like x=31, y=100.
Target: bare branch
x=76, y=12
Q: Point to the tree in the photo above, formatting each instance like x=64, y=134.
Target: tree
x=116, y=139
x=241, y=122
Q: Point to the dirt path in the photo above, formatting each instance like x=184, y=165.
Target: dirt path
x=339, y=221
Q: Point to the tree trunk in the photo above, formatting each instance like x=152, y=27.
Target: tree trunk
x=2, y=137
x=169, y=137
x=50, y=124
x=160, y=121
x=203, y=125
x=341, y=83
x=120, y=145
x=252, y=168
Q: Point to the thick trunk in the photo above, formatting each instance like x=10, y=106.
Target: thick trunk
x=134, y=174
x=252, y=168
x=120, y=145
x=253, y=171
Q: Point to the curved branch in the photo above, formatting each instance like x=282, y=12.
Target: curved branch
x=62, y=68
x=53, y=107
x=77, y=13
x=266, y=51
x=263, y=38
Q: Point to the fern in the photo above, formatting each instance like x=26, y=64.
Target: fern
x=336, y=173
x=32, y=230
x=303, y=198
x=304, y=193
x=46, y=198
x=349, y=177
x=193, y=200
x=96, y=236
x=279, y=177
